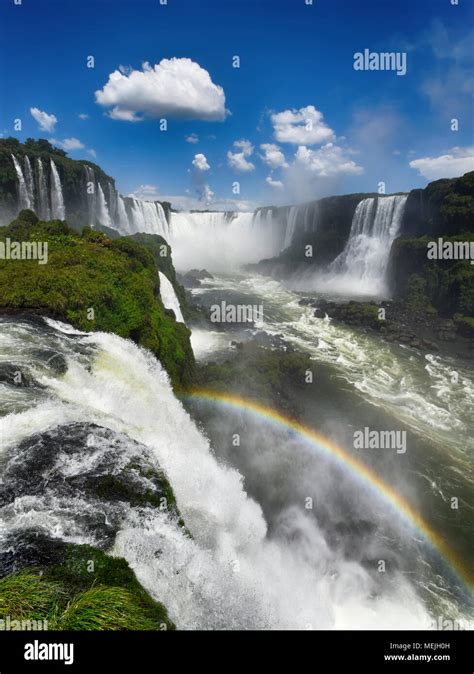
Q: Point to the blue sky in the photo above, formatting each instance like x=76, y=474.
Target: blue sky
x=326, y=128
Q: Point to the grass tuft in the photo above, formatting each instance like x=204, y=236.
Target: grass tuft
x=27, y=596
x=106, y=608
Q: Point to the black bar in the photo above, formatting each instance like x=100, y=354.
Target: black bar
x=322, y=651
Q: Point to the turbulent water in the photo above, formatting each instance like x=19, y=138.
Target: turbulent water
x=255, y=555
x=366, y=382
x=246, y=566
x=417, y=389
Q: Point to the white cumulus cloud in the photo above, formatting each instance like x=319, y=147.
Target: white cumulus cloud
x=301, y=127
x=277, y=184
x=192, y=138
x=273, y=156
x=327, y=161
x=239, y=160
x=176, y=87
x=68, y=143
x=200, y=162
x=456, y=162
x=145, y=193
x=45, y=122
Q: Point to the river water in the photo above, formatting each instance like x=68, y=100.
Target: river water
x=257, y=558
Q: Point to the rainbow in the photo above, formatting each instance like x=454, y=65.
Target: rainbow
x=350, y=463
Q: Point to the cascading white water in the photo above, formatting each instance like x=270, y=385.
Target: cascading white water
x=361, y=267
x=290, y=226
x=221, y=242
x=148, y=217
x=43, y=196
x=168, y=297
x=232, y=573
x=139, y=216
x=30, y=184
x=23, y=198
x=123, y=220
x=58, y=210
x=103, y=215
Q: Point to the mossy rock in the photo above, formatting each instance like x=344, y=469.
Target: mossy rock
x=117, y=279
x=78, y=587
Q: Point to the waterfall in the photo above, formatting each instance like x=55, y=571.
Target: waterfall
x=128, y=216
x=23, y=197
x=43, y=197
x=234, y=572
x=162, y=219
x=290, y=226
x=30, y=183
x=103, y=215
x=148, y=217
x=58, y=210
x=361, y=267
x=219, y=241
x=168, y=297
x=123, y=221
x=138, y=221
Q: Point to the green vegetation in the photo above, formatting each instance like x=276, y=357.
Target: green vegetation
x=84, y=589
x=104, y=608
x=358, y=313
x=25, y=596
x=116, y=279
x=444, y=208
x=445, y=286
x=161, y=252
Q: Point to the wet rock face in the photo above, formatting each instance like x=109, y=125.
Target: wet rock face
x=193, y=278
x=85, y=478
x=27, y=549
x=13, y=375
